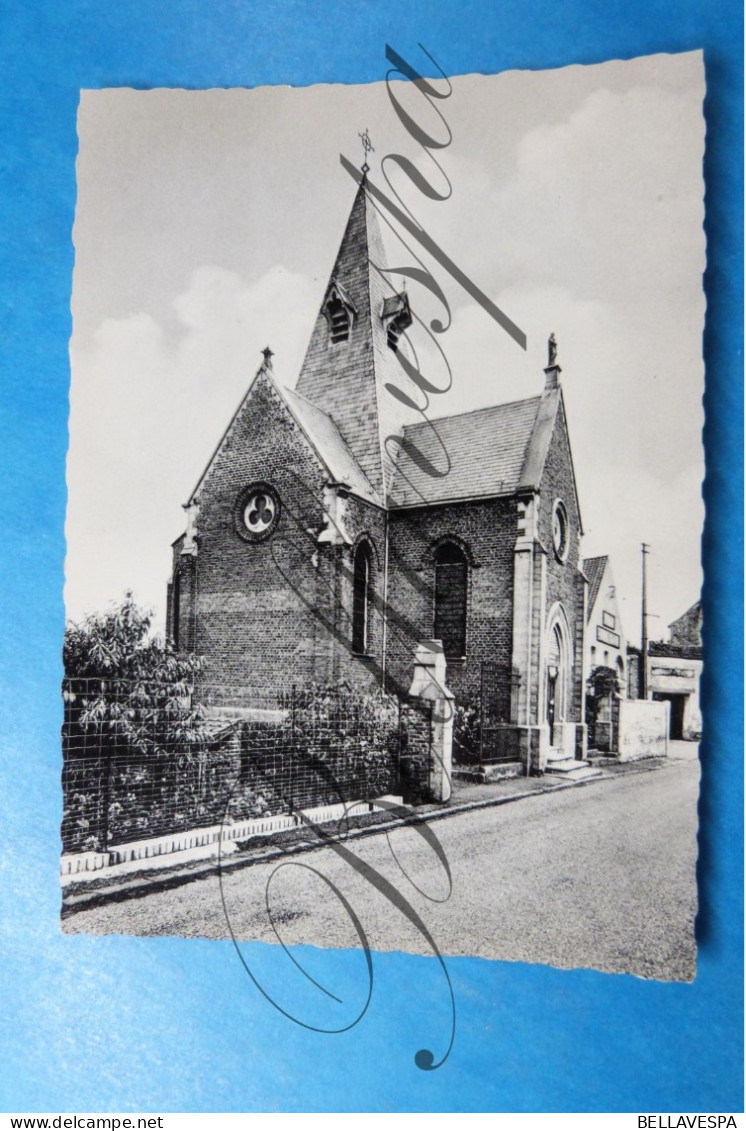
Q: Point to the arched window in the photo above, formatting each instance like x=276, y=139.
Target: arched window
x=451, y=578
x=361, y=598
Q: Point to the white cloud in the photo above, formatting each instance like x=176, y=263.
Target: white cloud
x=146, y=409
x=610, y=199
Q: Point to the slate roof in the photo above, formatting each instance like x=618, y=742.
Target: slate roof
x=326, y=439
x=593, y=568
x=487, y=449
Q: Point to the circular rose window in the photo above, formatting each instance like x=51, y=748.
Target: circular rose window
x=559, y=530
x=257, y=512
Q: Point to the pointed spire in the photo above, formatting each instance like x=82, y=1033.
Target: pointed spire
x=352, y=356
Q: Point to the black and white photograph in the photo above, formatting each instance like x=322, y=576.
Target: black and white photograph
x=383, y=576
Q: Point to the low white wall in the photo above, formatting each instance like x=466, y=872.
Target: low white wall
x=565, y=738
x=643, y=729
x=75, y=863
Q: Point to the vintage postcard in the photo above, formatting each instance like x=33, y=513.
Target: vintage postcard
x=383, y=574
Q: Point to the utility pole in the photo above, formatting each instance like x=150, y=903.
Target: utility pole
x=644, y=634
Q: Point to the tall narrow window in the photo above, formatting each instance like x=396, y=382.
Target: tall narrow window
x=176, y=608
x=361, y=594
x=451, y=577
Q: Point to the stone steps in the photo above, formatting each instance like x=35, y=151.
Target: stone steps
x=572, y=769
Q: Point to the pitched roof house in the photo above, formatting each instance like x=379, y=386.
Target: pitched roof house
x=336, y=527
x=674, y=671
x=606, y=644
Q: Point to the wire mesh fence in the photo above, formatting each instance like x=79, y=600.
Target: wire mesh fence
x=143, y=759
x=482, y=729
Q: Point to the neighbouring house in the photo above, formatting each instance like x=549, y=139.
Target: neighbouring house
x=605, y=652
x=606, y=644
x=674, y=670
x=336, y=528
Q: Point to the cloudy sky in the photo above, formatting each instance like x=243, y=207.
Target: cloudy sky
x=206, y=227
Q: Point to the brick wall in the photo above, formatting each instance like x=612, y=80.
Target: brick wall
x=486, y=532
x=276, y=612
x=563, y=580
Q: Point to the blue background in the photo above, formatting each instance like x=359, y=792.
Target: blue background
x=127, y=1024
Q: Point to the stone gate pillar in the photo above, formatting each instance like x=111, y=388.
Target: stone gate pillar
x=429, y=685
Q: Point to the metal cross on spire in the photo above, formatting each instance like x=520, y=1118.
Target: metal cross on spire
x=367, y=148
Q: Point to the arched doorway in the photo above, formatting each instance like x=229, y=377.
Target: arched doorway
x=557, y=675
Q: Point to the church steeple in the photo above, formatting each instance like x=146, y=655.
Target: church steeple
x=352, y=352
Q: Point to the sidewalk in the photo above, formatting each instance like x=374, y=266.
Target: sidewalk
x=127, y=881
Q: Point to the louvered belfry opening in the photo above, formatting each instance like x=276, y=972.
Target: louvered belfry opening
x=393, y=333
x=361, y=598
x=339, y=320
x=451, y=577
x=397, y=318
x=554, y=652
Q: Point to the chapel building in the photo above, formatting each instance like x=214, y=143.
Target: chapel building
x=335, y=528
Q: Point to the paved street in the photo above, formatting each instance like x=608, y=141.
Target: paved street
x=601, y=875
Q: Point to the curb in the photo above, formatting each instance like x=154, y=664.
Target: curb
x=151, y=880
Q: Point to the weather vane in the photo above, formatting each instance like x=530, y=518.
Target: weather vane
x=367, y=148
